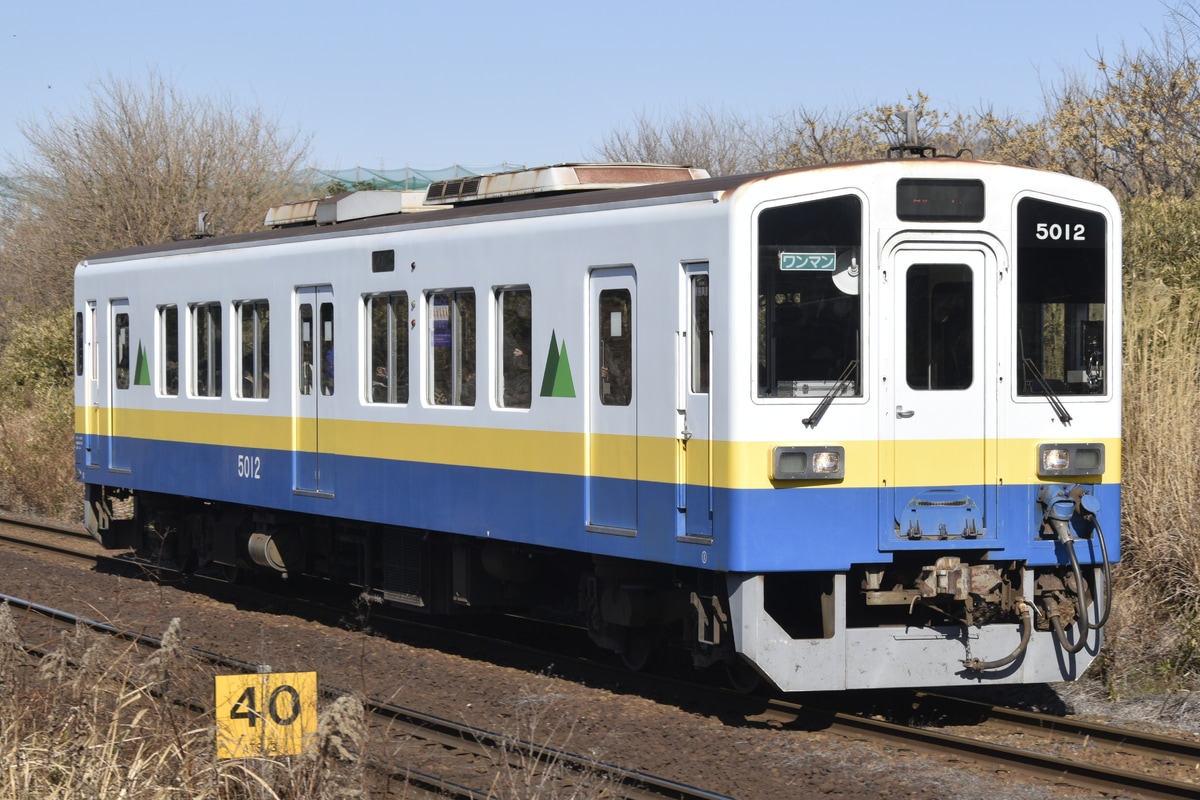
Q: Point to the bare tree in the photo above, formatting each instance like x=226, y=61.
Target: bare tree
x=806, y=137
x=721, y=142
x=1134, y=126
x=727, y=144
x=137, y=166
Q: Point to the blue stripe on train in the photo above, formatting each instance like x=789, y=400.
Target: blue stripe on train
x=754, y=530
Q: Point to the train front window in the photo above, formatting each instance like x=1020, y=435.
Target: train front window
x=1061, y=261
x=809, y=300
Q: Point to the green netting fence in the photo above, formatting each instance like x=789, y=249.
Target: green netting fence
x=406, y=178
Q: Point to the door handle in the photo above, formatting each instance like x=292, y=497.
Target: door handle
x=902, y=414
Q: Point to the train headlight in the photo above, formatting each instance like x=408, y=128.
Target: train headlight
x=808, y=463
x=1058, y=460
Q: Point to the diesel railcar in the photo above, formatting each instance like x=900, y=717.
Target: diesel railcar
x=850, y=426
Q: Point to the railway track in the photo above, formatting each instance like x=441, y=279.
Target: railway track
x=1154, y=762
x=70, y=540
x=452, y=752
x=1101, y=758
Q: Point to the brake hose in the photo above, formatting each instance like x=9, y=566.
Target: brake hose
x=1107, y=576
x=1056, y=622
x=975, y=665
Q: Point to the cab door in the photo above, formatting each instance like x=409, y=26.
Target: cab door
x=943, y=398
x=315, y=384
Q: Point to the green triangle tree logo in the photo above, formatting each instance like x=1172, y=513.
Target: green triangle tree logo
x=556, y=380
x=141, y=376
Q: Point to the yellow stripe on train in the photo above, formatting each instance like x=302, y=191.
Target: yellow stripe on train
x=734, y=465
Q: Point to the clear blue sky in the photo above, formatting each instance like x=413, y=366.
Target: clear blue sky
x=431, y=83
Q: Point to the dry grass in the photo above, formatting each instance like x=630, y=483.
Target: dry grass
x=536, y=717
x=1153, y=636
x=91, y=721
x=1161, y=480
x=37, y=415
x=95, y=718
x=37, y=467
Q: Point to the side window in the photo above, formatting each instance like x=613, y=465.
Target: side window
x=121, y=350
x=168, y=351
x=206, y=349
x=387, y=318
x=451, y=317
x=514, y=312
x=254, y=326
x=79, y=344
x=616, y=347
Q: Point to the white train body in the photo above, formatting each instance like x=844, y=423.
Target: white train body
x=857, y=426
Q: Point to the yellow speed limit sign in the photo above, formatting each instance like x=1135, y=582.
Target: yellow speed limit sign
x=271, y=714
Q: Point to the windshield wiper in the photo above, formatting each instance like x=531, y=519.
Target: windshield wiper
x=837, y=388
x=1063, y=415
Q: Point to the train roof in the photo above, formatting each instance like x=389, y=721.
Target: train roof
x=320, y=218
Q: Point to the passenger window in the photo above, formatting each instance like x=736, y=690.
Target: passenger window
x=168, y=363
x=616, y=347
x=254, y=326
x=206, y=352
x=809, y=303
x=514, y=310
x=121, y=350
x=939, y=332
x=387, y=315
x=452, y=347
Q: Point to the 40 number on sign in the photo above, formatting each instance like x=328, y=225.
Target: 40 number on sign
x=265, y=715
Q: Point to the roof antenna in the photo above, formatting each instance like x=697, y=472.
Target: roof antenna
x=912, y=148
x=203, y=226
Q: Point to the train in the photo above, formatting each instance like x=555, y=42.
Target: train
x=841, y=427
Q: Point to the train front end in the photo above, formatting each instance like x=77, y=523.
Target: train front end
x=925, y=484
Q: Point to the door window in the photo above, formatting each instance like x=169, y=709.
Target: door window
x=616, y=347
x=938, y=327
x=121, y=350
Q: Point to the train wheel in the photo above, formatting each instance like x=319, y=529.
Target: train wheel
x=643, y=646
x=224, y=573
x=742, y=677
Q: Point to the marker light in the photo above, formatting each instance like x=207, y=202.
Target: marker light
x=1055, y=460
x=808, y=463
